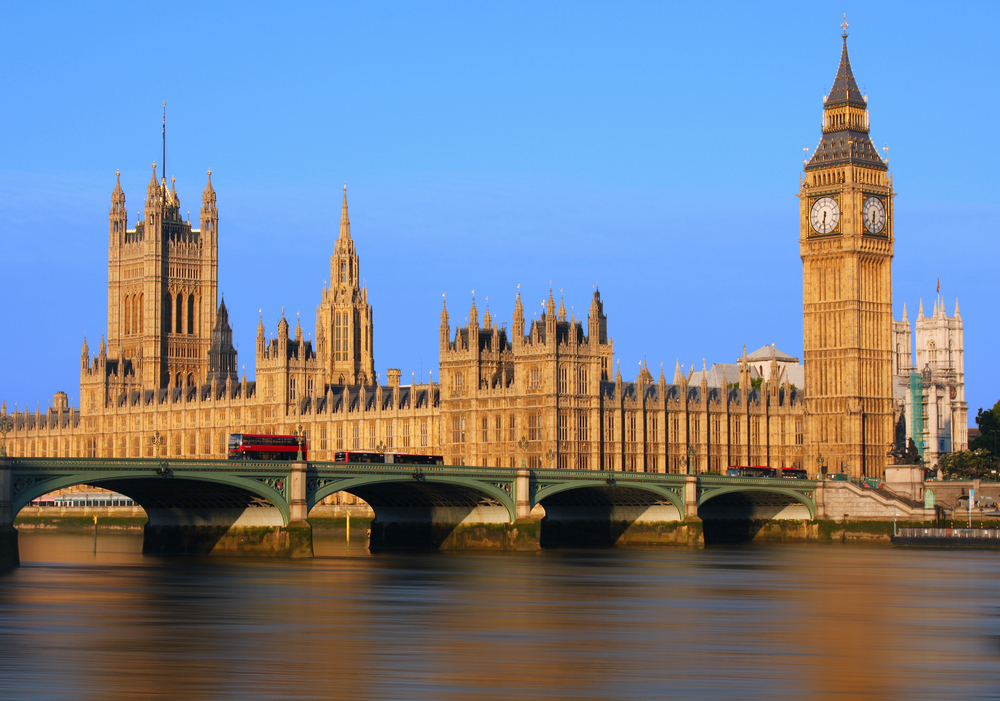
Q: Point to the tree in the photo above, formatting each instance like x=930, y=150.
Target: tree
x=968, y=465
x=988, y=421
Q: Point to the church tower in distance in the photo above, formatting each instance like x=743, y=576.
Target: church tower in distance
x=846, y=244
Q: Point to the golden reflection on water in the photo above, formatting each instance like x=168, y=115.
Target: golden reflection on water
x=775, y=622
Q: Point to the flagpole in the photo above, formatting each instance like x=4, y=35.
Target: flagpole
x=164, y=142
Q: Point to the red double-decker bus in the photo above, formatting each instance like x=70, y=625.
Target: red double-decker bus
x=388, y=458
x=249, y=446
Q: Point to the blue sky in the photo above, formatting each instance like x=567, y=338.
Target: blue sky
x=651, y=148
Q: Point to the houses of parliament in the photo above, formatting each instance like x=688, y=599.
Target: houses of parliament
x=168, y=365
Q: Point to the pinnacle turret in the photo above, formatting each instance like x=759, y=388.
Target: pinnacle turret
x=118, y=195
x=345, y=222
x=153, y=187
x=282, y=326
x=208, y=196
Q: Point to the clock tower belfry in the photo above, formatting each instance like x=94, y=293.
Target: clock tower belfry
x=846, y=244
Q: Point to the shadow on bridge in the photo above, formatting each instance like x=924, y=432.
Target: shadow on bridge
x=426, y=515
x=738, y=516
x=187, y=513
x=607, y=515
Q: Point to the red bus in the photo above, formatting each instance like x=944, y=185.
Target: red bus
x=248, y=446
x=388, y=458
x=793, y=473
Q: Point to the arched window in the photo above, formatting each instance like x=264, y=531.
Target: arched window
x=127, y=313
x=178, y=326
x=139, y=313
x=190, y=380
x=343, y=271
x=931, y=352
x=190, y=316
x=177, y=380
x=167, y=322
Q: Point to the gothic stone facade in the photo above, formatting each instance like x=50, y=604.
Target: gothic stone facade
x=930, y=393
x=169, y=366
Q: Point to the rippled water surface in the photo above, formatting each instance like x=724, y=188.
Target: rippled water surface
x=758, y=622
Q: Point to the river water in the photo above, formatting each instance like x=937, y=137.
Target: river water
x=754, y=622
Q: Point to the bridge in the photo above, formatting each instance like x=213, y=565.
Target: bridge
x=261, y=507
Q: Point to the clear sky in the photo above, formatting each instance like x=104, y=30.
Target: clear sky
x=652, y=148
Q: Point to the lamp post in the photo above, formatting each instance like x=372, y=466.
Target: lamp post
x=156, y=440
x=300, y=437
x=523, y=445
x=6, y=426
x=690, y=458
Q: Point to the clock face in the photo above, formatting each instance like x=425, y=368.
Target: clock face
x=874, y=215
x=824, y=215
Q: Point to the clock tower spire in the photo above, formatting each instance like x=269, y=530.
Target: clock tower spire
x=846, y=242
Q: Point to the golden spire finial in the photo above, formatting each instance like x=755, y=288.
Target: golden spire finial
x=845, y=25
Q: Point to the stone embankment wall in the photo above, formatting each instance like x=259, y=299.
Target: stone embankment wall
x=947, y=493
x=845, y=501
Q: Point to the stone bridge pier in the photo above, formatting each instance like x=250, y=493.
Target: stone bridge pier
x=9, y=557
x=197, y=517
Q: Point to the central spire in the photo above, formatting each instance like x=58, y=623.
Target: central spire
x=345, y=222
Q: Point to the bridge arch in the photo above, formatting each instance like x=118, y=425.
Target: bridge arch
x=390, y=496
x=598, y=491
x=187, y=499
x=752, y=501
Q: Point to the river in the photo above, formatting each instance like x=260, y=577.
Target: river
x=754, y=622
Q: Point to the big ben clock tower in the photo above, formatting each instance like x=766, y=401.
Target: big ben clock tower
x=846, y=243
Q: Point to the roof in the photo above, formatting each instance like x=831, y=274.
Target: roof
x=766, y=351
x=845, y=88
x=845, y=145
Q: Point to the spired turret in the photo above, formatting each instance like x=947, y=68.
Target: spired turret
x=117, y=215
x=445, y=328
x=344, y=319
x=209, y=213
x=222, y=360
